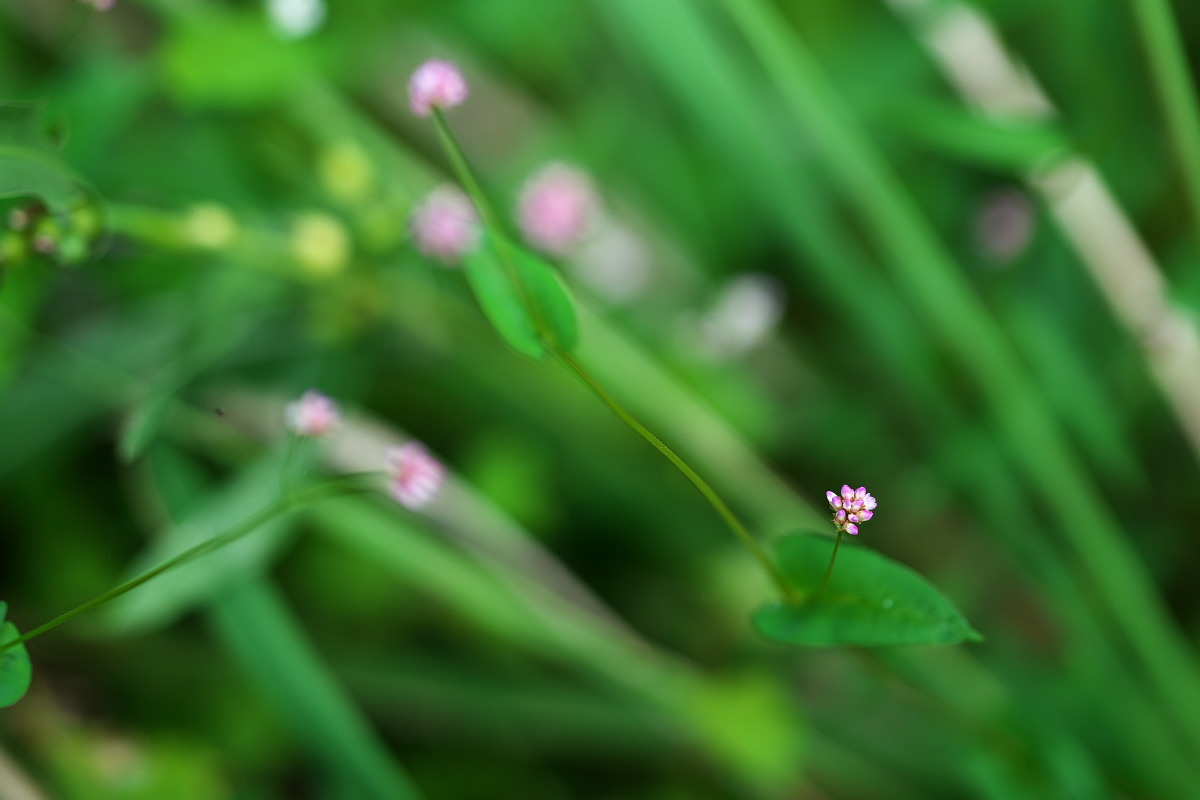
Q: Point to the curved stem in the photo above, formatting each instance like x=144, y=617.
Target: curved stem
x=462, y=169
x=278, y=507
x=710, y=494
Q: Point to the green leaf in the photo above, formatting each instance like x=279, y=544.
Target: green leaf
x=29, y=166
x=25, y=172
x=549, y=297
x=870, y=601
x=516, y=311
x=501, y=303
x=142, y=425
x=16, y=671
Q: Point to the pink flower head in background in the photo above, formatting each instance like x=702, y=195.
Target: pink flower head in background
x=557, y=208
x=313, y=414
x=850, y=508
x=436, y=84
x=446, y=225
x=100, y=5
x=416, y=476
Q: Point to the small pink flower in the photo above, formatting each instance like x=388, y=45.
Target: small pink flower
x=851, y=508
x=100, y=5
x=416, y=475
x=313, y=414
x=557, y=208
x=446, y=225
x=436, y=84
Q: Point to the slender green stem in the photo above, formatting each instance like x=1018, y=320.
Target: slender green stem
x=573, y=366
x=335, y=488
x=285, y=472
x=1169, y=73
x=462, y=169
x=458, y=162
x=832, y=559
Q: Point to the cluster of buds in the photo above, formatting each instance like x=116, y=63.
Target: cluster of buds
x=436, y=84
x=446, y=226
x=851, y=508
x=557, y=208
x=313, y=414
x=34, y=231
x=415, y=476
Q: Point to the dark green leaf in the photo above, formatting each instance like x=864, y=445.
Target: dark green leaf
x=870, y=600
x=16, y=672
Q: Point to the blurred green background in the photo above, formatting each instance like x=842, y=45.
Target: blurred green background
x=842, y=242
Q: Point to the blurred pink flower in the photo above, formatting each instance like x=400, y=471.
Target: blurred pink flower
x=313, y=414
x=1005, y=225
x=851, y=507
x=446, y=225
x=100, y=5
x=557, y=208
x=436, y=84
x=416, y=475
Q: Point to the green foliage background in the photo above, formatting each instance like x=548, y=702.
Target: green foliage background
x=227, y=228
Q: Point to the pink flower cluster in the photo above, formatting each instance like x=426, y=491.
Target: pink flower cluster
x=556, y=208
x=436, y=84
x=416, y=476
x=850, y=508
x=446, y=225
x=100, y=5
x=313, y=414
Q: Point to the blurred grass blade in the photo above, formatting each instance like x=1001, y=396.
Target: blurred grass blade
x=267, y=642
x=390, y=542
x=1170, y=73
x=1015, y=146
x=16, y=671
x=870, y=601
x=143, y=423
